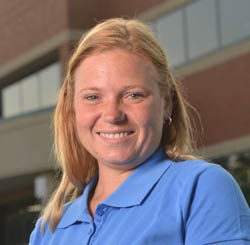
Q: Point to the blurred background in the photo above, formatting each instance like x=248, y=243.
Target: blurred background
x=208, y=45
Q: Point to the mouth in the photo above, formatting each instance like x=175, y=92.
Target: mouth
x=115, y=135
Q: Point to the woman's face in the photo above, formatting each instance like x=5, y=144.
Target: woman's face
x=119, y=109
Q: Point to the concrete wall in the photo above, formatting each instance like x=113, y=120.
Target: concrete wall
x=26, y=145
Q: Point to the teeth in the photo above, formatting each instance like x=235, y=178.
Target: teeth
x=114, y=136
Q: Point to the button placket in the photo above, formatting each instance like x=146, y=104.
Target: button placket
x=91, y=232
x=91, y=229
x=99, y=218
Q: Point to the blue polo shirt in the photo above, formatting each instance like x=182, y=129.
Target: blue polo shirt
x=161, y=202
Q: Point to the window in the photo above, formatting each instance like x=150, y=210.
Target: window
x=170, y=32
x=32, y=93
x=11, y=100
x=235, y=20
x=201, y=28
x=50, y=80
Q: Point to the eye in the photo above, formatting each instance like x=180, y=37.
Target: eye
x=91, y=97
x=135, y=95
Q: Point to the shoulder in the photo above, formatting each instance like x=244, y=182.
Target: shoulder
x=192, y=172
x=42, y=235
x=202, y=180
x=213, y=205
x=36, y=236
x=188, y=173
x=194, y=167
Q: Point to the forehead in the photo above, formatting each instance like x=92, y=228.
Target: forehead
x=115, y=62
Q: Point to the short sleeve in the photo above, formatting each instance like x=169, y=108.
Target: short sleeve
x=217, y=212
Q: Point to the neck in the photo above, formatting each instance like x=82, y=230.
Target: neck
x=109, y=180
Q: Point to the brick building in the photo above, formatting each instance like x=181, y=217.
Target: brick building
x=207, y=42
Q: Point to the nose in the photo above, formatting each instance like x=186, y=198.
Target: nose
x=112, y=112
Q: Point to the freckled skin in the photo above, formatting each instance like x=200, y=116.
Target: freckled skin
x=115, y=92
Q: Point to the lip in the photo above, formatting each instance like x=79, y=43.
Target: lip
x=116, y=136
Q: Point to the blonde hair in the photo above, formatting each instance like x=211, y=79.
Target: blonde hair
x=77, y=165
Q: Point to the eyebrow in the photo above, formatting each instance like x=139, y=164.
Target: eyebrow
x=124, y=88
x=90, y=88
x=134, y=86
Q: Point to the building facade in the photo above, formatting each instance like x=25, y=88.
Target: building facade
x=208, y=45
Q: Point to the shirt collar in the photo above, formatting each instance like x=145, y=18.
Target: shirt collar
x=130, y=193
x=137, y=186
x=77, y=210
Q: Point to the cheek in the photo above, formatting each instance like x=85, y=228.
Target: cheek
x=79, y=116
x=84, y=118
x=149, y=117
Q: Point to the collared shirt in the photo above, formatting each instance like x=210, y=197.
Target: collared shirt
x=161, y=202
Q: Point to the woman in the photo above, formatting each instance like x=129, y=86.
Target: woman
x=123, y=139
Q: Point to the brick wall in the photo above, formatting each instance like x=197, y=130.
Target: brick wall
x=26, y=24
x=221, y=95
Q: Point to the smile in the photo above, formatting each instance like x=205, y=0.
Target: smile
x=117, y=135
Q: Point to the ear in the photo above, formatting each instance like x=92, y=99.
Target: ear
x=168, y=105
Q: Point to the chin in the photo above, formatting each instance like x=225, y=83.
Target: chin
x=120, y=161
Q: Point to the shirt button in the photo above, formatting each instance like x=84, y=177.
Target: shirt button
x=100, y=211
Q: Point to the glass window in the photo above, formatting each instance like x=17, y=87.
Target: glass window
x=170, y=32
x=34, y=92
x=50, y=81
x=30, y=93
x=235, y=20
x=11, y=97
x=201, y=23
